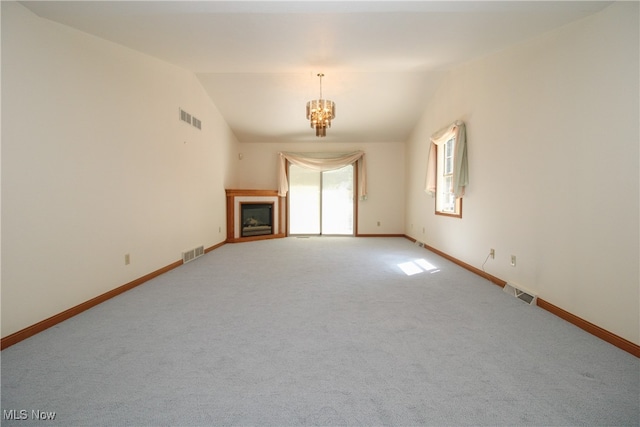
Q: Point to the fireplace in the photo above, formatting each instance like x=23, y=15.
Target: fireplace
x=257, y=219
x=255, y=215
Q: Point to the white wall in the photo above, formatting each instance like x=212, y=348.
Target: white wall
x=96, y=164
x=553, y=144
x=385, y=177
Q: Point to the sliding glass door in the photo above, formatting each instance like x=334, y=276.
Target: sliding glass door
x=321, y=202
x=337, y=201
x=304, y=200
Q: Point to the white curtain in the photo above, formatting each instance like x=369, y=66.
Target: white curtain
x=460, y=167
x=322, y=163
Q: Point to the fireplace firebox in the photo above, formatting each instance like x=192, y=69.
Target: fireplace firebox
x=257, y=218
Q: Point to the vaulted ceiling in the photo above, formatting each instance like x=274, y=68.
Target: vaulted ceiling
x=259, y=60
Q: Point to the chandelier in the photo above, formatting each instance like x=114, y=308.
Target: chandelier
x=320, y=112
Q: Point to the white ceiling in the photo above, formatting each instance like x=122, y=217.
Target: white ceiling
x=258, y=60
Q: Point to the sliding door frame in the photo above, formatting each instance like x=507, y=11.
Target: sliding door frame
x=355, y=201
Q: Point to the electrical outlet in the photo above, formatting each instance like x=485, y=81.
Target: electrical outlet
x=127, y=259
x=513, y=260
x=492, y=253
x=378, y=223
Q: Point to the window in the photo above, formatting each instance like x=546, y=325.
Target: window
x=447, y=170
x=446, y=202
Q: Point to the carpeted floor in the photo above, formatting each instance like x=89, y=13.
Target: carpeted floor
x=319, y=331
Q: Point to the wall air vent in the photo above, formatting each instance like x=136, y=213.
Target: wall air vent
x=188, y=118
x=522, y=294
x=184, y=116
x=192, y=254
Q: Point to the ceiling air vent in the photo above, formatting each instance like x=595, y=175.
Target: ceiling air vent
x=197, y=123
x=517, y=291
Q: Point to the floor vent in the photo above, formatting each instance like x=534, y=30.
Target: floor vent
x=199, y=251
x=192, y=254
x=520, y=293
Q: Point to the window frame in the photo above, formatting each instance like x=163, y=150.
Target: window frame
x=441, y=176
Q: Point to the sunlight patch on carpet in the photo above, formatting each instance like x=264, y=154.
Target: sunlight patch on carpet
x=416, y=266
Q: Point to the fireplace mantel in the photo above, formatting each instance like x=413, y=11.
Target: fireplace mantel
x=236, y=197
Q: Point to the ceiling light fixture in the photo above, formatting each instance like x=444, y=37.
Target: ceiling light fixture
x=320, y=112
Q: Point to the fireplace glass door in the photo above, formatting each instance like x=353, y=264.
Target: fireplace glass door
x=257, y=219
x=321, y=202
